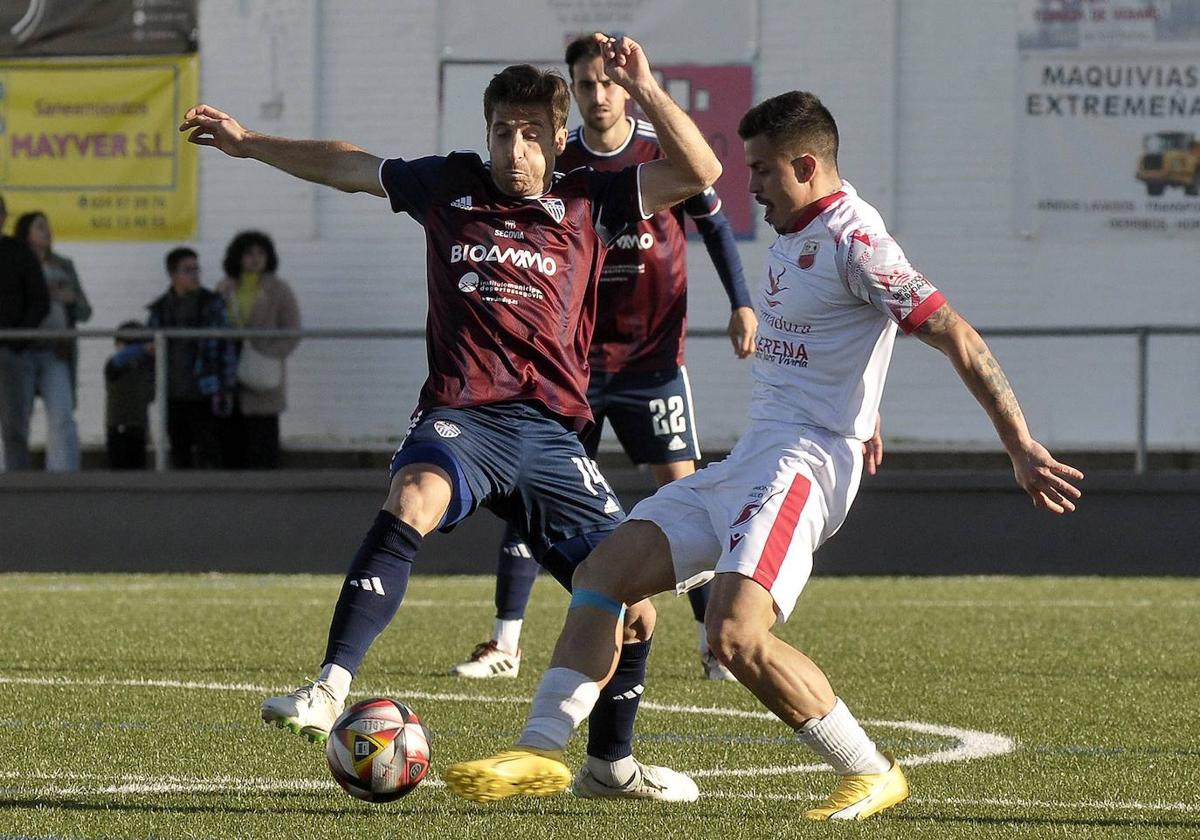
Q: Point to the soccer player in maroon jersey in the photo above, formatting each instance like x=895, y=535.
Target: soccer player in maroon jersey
x=638, y=380
x=514, y=254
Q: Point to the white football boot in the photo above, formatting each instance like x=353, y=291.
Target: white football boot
x=714, y=670
x=648, y=782
x=486, y=661
x=310, y=711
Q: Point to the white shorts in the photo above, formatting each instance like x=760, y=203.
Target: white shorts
x=763, y=511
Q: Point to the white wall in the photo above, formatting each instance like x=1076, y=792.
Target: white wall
x=923, y=91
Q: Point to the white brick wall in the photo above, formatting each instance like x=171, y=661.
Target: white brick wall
x=924, y=95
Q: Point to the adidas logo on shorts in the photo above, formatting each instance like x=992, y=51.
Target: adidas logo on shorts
x=676, y=444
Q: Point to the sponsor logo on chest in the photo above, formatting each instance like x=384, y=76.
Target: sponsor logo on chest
x=508, y=255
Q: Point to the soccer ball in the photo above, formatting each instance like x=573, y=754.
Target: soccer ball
x=379, y=750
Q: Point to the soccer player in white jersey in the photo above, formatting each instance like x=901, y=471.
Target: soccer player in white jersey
x=837, y=288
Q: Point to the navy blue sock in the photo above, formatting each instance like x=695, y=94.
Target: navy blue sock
x=610, y=726
x=373, y=589
x=515, y=573
x=699, y=600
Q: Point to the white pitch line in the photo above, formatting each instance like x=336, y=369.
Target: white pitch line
x=969, y=744
x=1061, y=603
x=134, y=785
x=1032, y=804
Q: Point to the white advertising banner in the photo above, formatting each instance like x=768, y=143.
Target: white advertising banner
x=1108, y=132
x=674, y=31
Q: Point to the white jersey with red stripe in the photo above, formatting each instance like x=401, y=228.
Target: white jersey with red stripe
x=837, y=287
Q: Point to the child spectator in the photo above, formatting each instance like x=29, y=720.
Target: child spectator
x=129, y=390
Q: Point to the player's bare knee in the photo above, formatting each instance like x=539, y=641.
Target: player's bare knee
x=731, y=637
x=633, y=563
x=419, y=495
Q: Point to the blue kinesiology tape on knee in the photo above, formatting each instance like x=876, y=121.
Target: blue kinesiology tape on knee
x=588, y=598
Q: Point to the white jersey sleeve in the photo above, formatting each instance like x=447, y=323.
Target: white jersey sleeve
x=875, y=271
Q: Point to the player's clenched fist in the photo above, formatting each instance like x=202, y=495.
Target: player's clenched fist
x=211, y=127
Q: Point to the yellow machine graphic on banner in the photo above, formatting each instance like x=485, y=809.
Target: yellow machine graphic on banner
x=93, y=143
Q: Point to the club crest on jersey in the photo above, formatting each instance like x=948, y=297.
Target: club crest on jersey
x=808, y=254
x=555, y=207
x=446, y=429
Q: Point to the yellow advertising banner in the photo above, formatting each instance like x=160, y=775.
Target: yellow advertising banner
x=93, y=143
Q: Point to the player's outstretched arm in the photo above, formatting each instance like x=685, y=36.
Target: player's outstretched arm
x=690, y=165
x=330, y=162
x=1042, y=477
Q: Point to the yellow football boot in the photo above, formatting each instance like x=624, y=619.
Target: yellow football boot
x=861, y=796
x=515, y=771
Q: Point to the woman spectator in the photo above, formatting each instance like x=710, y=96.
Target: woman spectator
x=51, y=372
x=256, y=298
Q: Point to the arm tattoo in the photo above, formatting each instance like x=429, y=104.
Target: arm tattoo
x=996, y=383
x=939, y=321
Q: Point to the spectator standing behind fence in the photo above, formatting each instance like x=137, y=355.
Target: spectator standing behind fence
x=49, y=374
x=63, y=283
x=258, y=299
x=128, y=392
x=201, y=373
x=24, y=302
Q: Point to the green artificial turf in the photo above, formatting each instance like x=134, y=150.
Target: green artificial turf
x=129, y=708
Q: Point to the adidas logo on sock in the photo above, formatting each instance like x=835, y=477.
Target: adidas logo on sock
x=631, y=694
x=373, y=584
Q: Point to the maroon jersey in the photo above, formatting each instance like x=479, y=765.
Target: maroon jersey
x=642, y=314
x=512, y=281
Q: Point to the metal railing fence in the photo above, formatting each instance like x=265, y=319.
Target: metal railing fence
x=1140, y=333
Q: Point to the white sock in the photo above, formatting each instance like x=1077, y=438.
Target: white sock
x=337, y=678
x=507, y=634
x=840, y=740
x=564, y=699
x=703, y=635
x=613, y=773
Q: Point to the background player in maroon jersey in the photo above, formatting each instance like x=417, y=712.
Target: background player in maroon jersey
x=509, y=327
x=638, y=380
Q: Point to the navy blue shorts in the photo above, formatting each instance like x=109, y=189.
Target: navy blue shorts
x=650, y=412
x=520, y=462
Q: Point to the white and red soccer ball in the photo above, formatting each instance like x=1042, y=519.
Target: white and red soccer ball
x=379, y=750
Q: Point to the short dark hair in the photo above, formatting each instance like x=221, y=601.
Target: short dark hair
x=524, y=84
x=177, y=256
x=242, y=243
x=25, y=223
x=797, y=122
x=585, y=46
x=123, y=338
